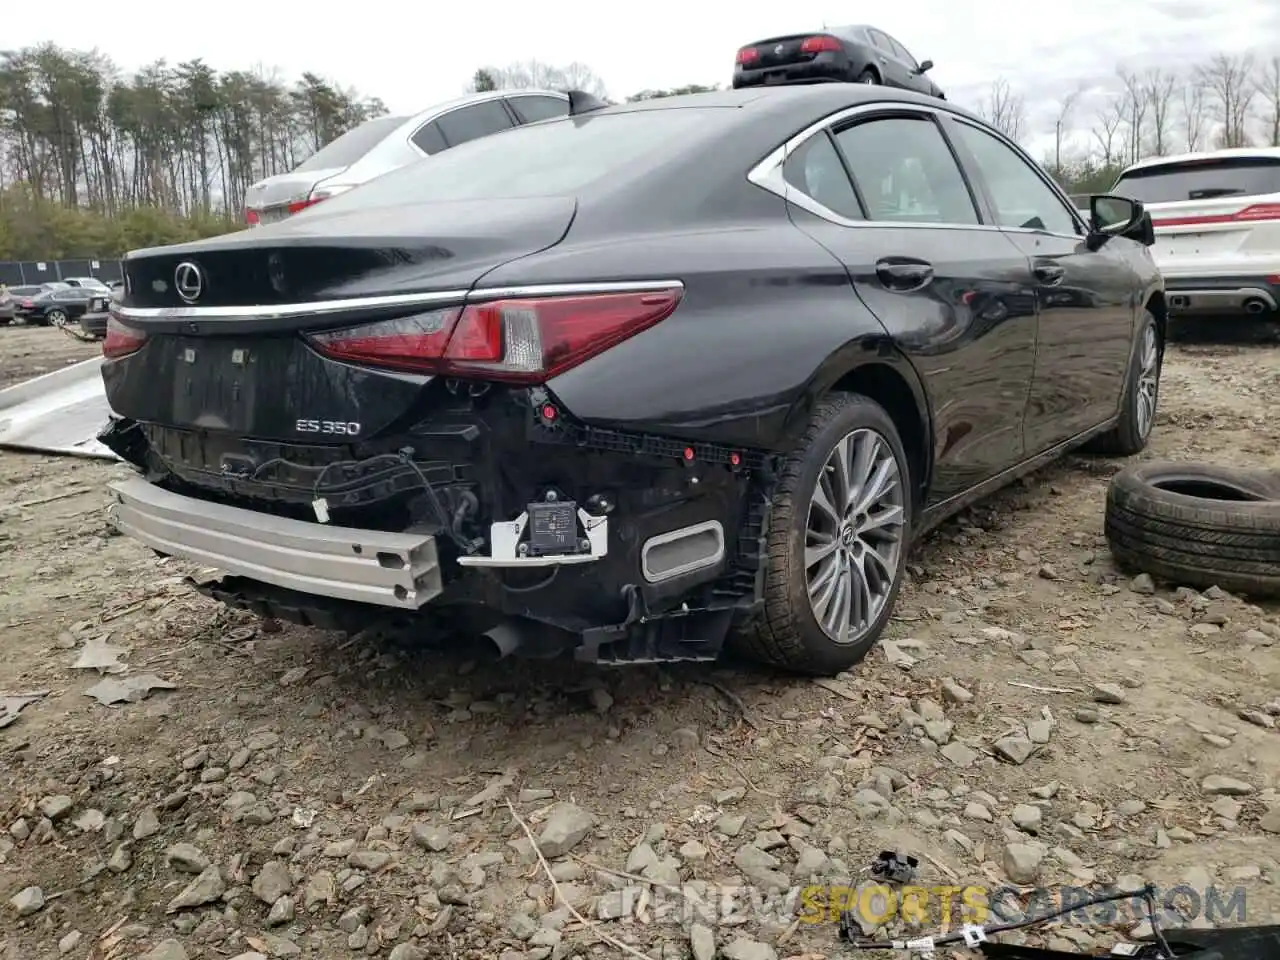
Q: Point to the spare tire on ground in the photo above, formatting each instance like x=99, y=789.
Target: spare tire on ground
x=1198, y=525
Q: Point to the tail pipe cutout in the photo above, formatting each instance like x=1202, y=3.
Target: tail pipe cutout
x=677, y=553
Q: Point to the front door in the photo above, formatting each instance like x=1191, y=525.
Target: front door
x=1085, y=298
x=954, y=294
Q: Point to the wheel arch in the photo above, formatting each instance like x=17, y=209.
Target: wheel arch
x=889, y=379
x=1156, y=304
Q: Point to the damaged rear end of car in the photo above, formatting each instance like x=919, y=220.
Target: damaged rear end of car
x=344, y=419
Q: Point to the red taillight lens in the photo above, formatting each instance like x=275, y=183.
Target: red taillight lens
x=121, y=340
x=1260, y=211
x=748, y=56
x=29, y=304
x=299, y=205
x=820, y=45
x=520, y=341
x=251, y=217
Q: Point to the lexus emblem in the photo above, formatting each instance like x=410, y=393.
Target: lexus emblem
x=778, y=49
x=188, y=280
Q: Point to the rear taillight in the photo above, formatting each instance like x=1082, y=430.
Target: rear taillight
x=518, y=340
x=1260, y=211
x=29, y=304
x=299, y=205
x=748, y=56
x=820, y=45
x=121, y=340
x=251, y=217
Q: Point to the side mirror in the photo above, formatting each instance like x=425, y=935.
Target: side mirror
x=925, y=67
x=1112, y=216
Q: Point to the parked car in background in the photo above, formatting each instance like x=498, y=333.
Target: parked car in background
x=681, y=370
x=90, y=283
x=1217, y=223
x=858, y=54
x=56, y=306
x=8, y=309
x=386, y=143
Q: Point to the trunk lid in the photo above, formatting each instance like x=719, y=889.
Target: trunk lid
x=783, y=51
x=235, y=362
x=1203, y=235
x=271, y=199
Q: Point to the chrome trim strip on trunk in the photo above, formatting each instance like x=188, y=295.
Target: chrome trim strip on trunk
x=353, y=304
x=400, y=570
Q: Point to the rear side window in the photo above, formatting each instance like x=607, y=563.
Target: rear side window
x=905, y=172
x=473, y=122
x=429, y=139
x=880, y=40
x=351, y=146
x=533, y=109
x=816, y=171
x=1201, y=180
x=557, y=158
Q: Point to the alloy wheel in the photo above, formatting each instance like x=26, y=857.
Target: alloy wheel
x=1148, y=381
x=57, y=318
x=854, y=535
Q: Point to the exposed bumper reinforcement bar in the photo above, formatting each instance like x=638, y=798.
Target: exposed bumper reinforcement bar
x=400, y=570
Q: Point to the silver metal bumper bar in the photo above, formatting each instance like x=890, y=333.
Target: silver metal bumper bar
x=367, y=566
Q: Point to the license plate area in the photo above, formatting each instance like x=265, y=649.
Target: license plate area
x=217, y=383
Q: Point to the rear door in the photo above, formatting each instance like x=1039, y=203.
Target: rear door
x=1213, y=216
x=955, y=295
x=1086, y=299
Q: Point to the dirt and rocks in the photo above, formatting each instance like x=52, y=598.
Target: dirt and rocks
x=1036, y=717
x=27, y=352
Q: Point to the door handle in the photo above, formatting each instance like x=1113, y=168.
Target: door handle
x=1049, y=274
x=904, y=274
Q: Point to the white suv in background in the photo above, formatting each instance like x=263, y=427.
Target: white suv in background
x=1217, y=223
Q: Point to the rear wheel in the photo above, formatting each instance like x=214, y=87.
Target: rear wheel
x=837, y=541
x=868, y=76
x=56, y=318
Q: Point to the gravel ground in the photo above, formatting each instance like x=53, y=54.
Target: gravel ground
x=27, y=352
x=1036, y=717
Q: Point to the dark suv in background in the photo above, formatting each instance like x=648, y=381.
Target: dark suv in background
x=858, y=54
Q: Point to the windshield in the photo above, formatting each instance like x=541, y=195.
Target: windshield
x=351, y=146
x=552, y=158
x=1201, y=180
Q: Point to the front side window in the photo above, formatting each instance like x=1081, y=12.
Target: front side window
x=1021, y=197
x=905, y=172
x=473, y=122
x=815, y=170
x=902, y=54
x=531, y=109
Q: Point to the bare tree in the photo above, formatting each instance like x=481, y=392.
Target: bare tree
x=1108, y=128
x=1134, y=112
x=1061, y=126
x=1193, y=112
x=535, y=73
x=1157, y=89
x=1269, y=88
x=1231, y=93
x=1004, y=109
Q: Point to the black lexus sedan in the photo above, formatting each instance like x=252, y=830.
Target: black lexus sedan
x=636, y=382
x=57, y=304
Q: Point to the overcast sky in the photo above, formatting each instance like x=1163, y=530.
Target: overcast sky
x=412, y=54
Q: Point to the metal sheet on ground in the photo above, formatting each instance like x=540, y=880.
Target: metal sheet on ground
x=61, y=412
